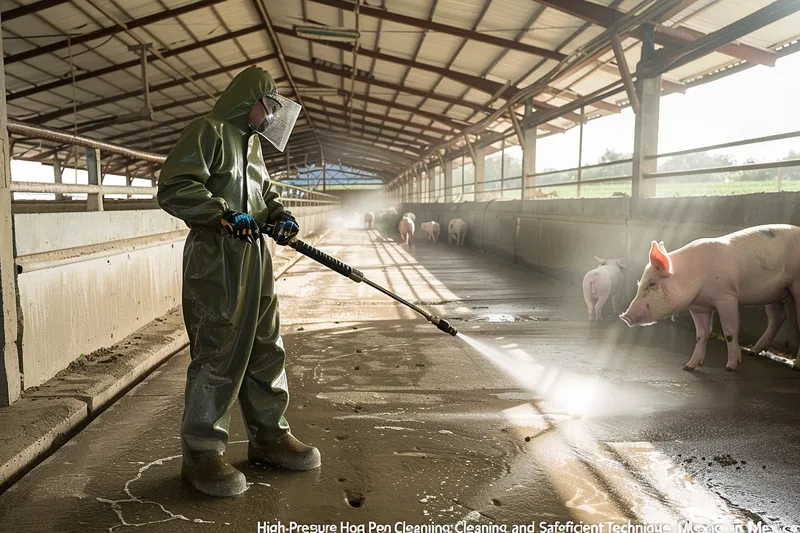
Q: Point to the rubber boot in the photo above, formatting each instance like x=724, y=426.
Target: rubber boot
x=285, y=452
x=212, y=474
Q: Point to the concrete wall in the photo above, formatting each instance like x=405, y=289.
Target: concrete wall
x=362, y=201
x=90, y=279
x=560, y=237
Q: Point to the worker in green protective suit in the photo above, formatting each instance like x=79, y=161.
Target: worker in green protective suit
x=216, y=181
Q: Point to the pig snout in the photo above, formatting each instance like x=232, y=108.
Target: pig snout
x=638, y=314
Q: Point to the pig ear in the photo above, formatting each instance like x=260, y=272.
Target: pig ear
x=659, y=259
x=622, y=263
x=600, y=260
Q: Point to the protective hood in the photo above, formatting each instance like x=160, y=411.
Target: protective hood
x=241, y=95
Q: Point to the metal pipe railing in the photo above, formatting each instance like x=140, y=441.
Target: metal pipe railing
x=39, y=132
x=743, y=142
x=75, y=188
x=732, y=168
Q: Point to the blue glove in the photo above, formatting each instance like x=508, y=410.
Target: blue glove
x=285, y=229
x=240, y=225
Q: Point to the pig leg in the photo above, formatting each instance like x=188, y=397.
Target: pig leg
x=702, y=326
x=795, y=290
x=615, y=303
x=776, y=315
x=729, y=318
x=602, y=298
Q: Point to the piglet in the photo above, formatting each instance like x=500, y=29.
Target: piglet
x=602, y=283
x=369, y=220
x=752, y=267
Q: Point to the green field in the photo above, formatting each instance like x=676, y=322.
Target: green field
x=605, y=190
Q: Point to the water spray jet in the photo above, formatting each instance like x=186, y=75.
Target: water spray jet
x=356, y=275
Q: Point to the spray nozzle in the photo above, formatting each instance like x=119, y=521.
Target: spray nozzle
x=444, y=325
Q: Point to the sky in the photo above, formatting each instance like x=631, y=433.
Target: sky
x=759, y=101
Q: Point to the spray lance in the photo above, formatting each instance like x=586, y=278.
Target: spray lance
x=358, y=276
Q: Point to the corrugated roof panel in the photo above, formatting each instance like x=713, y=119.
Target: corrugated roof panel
x=289, y=13
x=551, y=29
x=476, y=97
x=293, y=47
x=721, y=14
x=388, y=72
x=476, y=57
x=777, y=33
x=410, y=100
x=399, y=40
x=513, y=66
x=330, y=80
x=326, y=53
x=581, y=39
x=702, y=66
x=460, y=13
x=421, y=79
x=438, y=49
x=537, y=73
x=595, y=82
x=448, y=87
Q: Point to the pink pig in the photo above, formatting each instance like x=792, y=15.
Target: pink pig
x=752, y=267
x=602, y=283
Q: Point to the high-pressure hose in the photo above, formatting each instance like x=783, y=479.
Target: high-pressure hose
x=356, y=275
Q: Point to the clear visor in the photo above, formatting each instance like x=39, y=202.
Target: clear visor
x=284, y=114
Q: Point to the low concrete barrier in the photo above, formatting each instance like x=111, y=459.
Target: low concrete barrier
x=87, y=280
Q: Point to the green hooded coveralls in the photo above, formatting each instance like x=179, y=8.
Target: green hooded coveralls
x=229, y=302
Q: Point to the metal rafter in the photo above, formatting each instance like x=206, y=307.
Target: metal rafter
x=606, y=16
x=95, y=73
x=399, y=131
x=442, y=119
x=443, y=28
x=414, y=56
x=41, y=119
x=35, y=7
x=109, y=31
x=388, y=85
x=376, y=116
x=474, y=82
x=461, y=46
x=667, y=59
x=264, y=14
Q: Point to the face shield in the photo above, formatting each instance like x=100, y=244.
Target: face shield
x=281, y=114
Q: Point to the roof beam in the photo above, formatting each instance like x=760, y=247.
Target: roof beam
x=474, y=82
x=35, y=7
x=606, y=16
x=586, y=11
x=443, y=119
x=112, y=30
x=625, y=74
x=131, y=64
x=570, y=95
x=376, y=116
x=365, y=10
x=41, y=119
x=681, y=36
x=366, y=149
x=345, y=73
x=263, y=12
x=399, y=131
x=670, y=58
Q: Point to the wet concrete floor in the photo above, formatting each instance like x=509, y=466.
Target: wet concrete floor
x=541, y=416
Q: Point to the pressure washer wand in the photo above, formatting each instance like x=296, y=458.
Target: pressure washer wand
x=358, y=276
